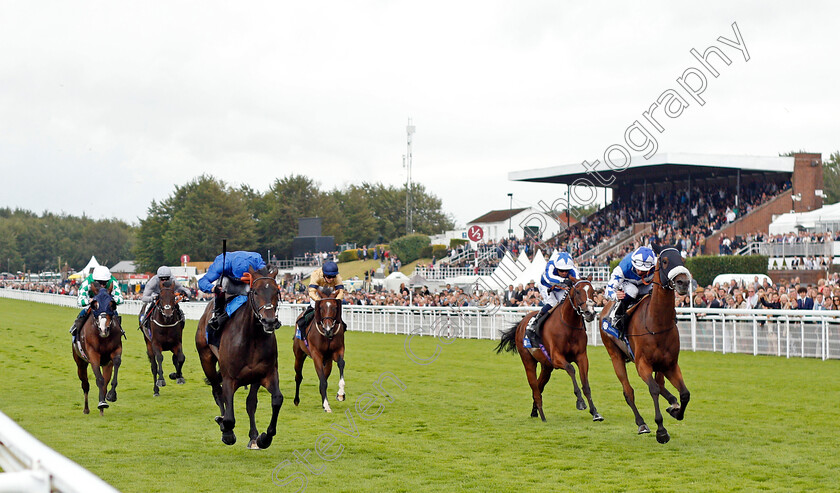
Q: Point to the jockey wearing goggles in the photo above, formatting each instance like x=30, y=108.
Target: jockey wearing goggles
x=629, y=281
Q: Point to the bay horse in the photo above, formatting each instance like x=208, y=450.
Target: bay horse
x=324, y=343
x=166, y=326
x=655, y=342
x=564, y=339
x=100, y=345
x=247, y=355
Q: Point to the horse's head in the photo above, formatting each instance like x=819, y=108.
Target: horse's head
x=167, y=301
x=673, y=273
x=104, y=312
x=582, y=297
x=328, y=316
x=264, y=297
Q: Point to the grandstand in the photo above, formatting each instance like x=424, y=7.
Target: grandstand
x=696, y=201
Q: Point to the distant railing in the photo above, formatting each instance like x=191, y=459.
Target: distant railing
x=789, y=333
x=597, y=274
x=445, y=272
x=796, y=249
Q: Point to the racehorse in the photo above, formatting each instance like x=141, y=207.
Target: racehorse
x=247, y=355
x=324, y=343
x=166, y=325
x=564, y=342
x=100, y=345
x=655, y=342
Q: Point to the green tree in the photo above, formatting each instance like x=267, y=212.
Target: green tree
x=361, y=224
x=831, y=178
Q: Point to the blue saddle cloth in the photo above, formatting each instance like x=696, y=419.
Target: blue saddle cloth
x=609, y=329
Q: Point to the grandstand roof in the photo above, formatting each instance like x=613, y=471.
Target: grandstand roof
x=496, y=216
x=660, y=167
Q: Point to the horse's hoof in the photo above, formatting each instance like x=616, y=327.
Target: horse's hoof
x=264, y=441
x=674, y=411
x=597, y=417
x=173, y=376
x=181, y=381
x=161, y=383
x=102, y=405
x=327, y=410
x=340, y=397
x=228, y=438
x=86, y=411
x=581, y=405
x=662, y=435
x=157, y=394
x=534, y=413
x=218, y=420
x=252, y=445
x=296, y=401
x=111, y=396
x=643, y=428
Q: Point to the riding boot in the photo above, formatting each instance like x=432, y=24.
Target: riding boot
x=220, y=316
x=535, y=332
x=619, y=316
x=305, y=319
x=80, y=320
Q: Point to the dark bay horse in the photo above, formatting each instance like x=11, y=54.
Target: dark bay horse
x=324, y=343
x=166, y=326
x=655, y=341
x=247, y=355
x=100, y=345
x=564, y=338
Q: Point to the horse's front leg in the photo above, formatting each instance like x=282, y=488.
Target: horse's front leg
x=674, y=375
x=159, y=381
x=338, y=356
x=318, y=360
x=583, y=366
x=620, y=368
x=178, y=359
x=251, y=407
x=300, y=358
x=560, y=362
x=116, y=360
x=272, y=385
x=81, y=370
x=228, y=420
x=646, y=373
x=100, y=382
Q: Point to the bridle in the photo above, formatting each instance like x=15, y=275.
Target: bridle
x=329, y=333
x=672, y=274
x=580, y=310
x=159, y=310
x=252, y=301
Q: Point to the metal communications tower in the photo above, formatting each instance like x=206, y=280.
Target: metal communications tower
x=409, y=224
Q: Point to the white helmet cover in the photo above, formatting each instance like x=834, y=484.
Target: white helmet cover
x=102, y=274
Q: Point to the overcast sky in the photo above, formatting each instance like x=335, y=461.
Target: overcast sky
x=105, y=106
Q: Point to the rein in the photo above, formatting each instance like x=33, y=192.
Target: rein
x=577, y=309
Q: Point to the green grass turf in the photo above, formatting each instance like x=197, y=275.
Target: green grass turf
x=461, y=424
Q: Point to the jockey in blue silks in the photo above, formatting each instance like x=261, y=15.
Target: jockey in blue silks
x=235, y=265
x=630, y=280
x=554, y=286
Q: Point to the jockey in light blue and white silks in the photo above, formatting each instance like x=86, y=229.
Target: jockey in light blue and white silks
x=633, y=275
x=632, y=278
x=554, y=284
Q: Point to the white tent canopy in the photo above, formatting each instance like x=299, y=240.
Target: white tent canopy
x=828, y=216
x=393, y=281
x=88, y=269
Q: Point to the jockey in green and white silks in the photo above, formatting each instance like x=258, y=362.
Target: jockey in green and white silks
x=102, y=276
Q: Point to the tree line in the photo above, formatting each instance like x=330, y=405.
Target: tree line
x=197, y=215
x=195, y=218
x=29, y=242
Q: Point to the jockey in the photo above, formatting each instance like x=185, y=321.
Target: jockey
x=100, y=277
x=152, y=291
x=631, y=279
x=229, y=267
x=326, y=276
x=554, y=286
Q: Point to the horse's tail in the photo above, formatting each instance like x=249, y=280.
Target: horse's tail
x=508, y=341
